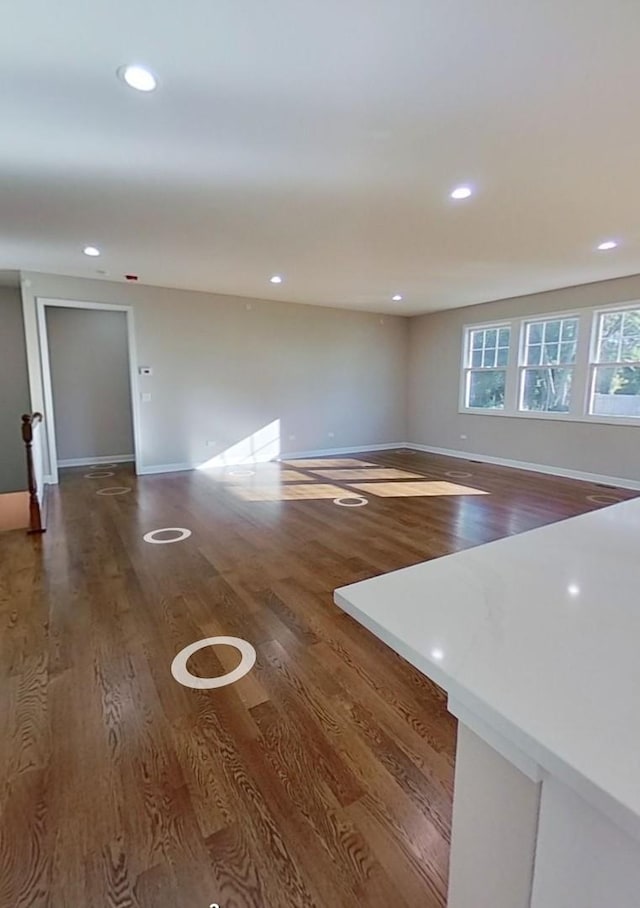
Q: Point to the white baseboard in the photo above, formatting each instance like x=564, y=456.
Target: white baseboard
x=429, y=449
x=90, y=461
x=534, y=467
x=294, y=455
x=167, y=468
x=325, y=452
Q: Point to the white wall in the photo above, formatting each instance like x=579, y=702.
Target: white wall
x=88, y=353
x=14, y=392
x=435, y=344
x=225, y=367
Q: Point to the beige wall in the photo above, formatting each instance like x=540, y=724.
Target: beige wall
x=14, y=391
x=88, y=353
x=435, y=343
x=225, y=367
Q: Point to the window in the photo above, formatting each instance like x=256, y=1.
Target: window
x=486, y=361
x=546, y=370
x=581, y=365
x=615, y=365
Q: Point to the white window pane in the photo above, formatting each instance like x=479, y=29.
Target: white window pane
x=569, y=329
x=534, y=355
x=619, y=337
x=489, y=342
x=534, y=334
x=552, y=342
x=616, y=391
x=486, y=390
x=612, y=322
x=630, y=351
x=489, y=359
x=631, y=325
x=568, y=352
x=610, y=337
x=547, y=390
x=552, y=331
x=609, y=350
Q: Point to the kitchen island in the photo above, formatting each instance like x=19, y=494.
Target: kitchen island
x=536, y=640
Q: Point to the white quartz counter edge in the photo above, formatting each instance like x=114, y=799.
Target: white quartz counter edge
x=548, y=762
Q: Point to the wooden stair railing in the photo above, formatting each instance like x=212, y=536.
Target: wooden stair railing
x=29, y=422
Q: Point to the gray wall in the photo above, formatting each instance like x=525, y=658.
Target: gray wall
x=225, y=367
x=89, y=360
x=435, y=343
x=14, y=391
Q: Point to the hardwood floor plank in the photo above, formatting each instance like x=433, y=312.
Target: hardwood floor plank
x=30, y=731
x=25, y=858
x=418, y=883
x=237, y=870
x=336, y=774
x=324, y=777
x=302, y=776
x=156, y=887
x=108, y=871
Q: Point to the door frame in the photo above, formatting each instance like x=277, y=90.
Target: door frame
x=41, y=304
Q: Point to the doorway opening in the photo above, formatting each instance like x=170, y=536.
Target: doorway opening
x=89, y=381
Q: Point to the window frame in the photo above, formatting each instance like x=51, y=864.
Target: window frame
x=468, y=369
x=594, y=363
x=583, y=368
x=524, y=367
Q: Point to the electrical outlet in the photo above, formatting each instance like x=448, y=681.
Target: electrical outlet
x=292, y=438
x=463, y=437
x=332, y=434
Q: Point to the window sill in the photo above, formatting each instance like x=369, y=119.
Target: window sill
x=554, y=417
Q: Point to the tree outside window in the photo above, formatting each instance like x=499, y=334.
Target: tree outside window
x=616, y=369
x=549, y=355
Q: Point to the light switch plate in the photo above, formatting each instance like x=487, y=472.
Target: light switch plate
x=145, y=370
x=146, y=397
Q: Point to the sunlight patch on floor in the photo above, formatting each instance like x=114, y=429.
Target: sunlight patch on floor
x=311, y=463
x=270, y=474
x=287, y=492
x=370, y=473
x=415, y=489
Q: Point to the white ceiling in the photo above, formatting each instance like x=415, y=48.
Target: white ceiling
x=320, y=139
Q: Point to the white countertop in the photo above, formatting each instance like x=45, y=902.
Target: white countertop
x=538, y=635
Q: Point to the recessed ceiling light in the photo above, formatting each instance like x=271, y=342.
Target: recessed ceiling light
x=573, y=589
x=91, y=250
x=276, y=279
x=437, y=654
x=461, y=192
x=138, y=77
x=608, y=244
x=396, y=298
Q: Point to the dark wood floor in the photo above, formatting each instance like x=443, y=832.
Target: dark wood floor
x=323, y=778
